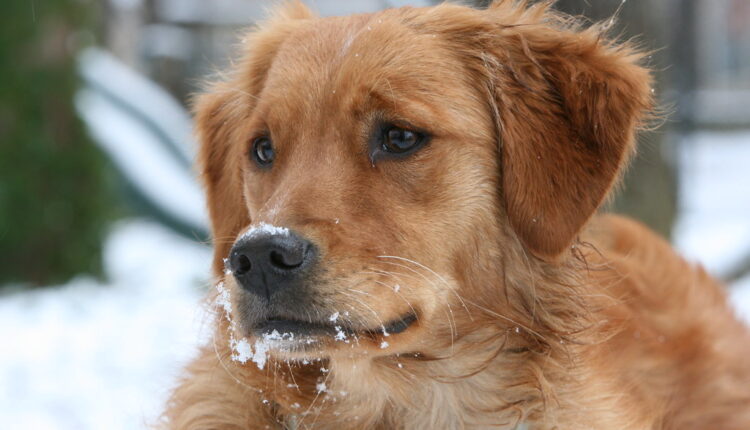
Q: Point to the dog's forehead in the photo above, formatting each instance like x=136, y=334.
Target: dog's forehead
x=331, y=58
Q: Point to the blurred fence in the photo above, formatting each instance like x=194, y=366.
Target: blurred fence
x=702, y=46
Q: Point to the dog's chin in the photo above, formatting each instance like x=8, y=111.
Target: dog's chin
x=294, y=339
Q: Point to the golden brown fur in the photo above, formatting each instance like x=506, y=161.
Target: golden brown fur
x=528, y=310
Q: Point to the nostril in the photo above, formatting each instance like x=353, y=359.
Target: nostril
x=286, y=260
x=242, y=265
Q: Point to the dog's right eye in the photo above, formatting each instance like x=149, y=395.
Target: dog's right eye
x=262, y=151
x=394, y=141
x=397, y=140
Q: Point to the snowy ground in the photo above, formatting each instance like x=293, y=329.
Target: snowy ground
x=92, y=356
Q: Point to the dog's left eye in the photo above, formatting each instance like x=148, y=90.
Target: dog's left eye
x=397, y=140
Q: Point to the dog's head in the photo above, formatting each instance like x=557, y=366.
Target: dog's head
x=370, y=178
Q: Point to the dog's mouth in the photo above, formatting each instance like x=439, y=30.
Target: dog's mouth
x=291, y=329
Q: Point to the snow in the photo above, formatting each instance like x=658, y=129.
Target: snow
x=242, y=352
x=104, y=355
x=224, y=300
x=264, y=228
x=261, y=354
x=258, y=353
x=227, y=267
x=340, y=335
x=714, y=226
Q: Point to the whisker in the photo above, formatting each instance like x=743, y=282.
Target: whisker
x=291, y=374
x=369, y=308
x=491, y=312
x=302, y=416
x=414, y=312
x=360, y=292
x=451, y=317
x=434, y=273
x=393, y=274
x=452, y=326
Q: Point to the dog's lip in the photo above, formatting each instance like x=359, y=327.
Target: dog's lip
x=282, y=325
x=307, y=328
x=399, y=325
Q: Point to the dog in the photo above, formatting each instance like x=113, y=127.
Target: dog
x=404, y=213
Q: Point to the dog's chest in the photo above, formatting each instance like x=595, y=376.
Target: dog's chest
x=412, y=404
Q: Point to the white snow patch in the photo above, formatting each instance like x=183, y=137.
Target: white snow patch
x=274, y=335
x=104, y=355
x=261, y=354
x=396, y=287
x=713, y=226
x=340, y=335
x=224, y=300
x=241, y=351
x=384, y=345
x=227, y=267
x=258, y=353
x=321, y=387
x=264, y=228
x=334, y=317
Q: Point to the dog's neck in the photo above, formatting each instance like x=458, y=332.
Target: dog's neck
x=450, y=389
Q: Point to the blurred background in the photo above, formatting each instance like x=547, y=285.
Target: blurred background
x=104, y=251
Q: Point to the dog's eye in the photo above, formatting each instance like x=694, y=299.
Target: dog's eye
x=262, y=151
x=399, y=140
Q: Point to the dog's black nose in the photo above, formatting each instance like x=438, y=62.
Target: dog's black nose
x=266, y=263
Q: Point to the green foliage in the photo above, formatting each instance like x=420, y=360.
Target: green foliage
x=55, y=186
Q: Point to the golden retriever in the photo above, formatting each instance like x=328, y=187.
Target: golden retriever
x=402, y=205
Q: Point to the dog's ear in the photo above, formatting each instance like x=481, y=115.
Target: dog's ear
x=220, y=114
x=567, y=105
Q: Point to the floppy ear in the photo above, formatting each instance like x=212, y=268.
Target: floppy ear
x=567, y=104
x=220, y=114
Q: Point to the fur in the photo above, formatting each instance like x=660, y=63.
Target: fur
x=531, y=308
